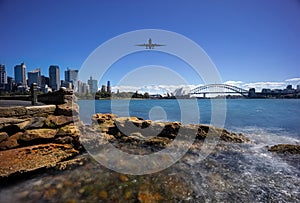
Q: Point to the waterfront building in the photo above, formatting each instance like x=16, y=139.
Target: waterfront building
x=103, y=88
x=108, y=87
x=93, y=85
x=3, y=77
x=20, y=75
x=34, y=76
x=44, y=80
x=72, y=77
x=289, y=87
x=54, y=77
x=66, y=84
x=10, y=84
x=83, y=88
x=252, y=93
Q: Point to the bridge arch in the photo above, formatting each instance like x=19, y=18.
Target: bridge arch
x=218, y=89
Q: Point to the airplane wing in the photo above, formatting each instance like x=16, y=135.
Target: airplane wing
x=142, y=45
x=158, y=45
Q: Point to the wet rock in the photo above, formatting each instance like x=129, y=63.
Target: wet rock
x=103, y=194
x=147, y=196
x=58, y=121
x=232, y=137
x=285, y=148
x=43, y=133
x=123, y=178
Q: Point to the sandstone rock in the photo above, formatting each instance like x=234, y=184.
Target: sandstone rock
x=11, y=142
x=60, y=96
x=43, y=133
x=69, y=130
x=232, y=137
x=35, y=122
x=3, y=136
x=67, y=109
x=4, y=122
x=102, y=118
x=15, y=111
x=42, y=111
x=285, y=148
x=64, y=140
x=31, y=158
x=134, y=128
x=58, y=121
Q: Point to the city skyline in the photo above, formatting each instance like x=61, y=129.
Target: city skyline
x=71, y=76
x=253, y=43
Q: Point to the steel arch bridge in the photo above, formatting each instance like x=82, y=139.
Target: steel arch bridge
x=218, y=89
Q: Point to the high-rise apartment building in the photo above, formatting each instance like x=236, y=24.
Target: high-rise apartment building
x=20, y=75
x=54, y=77
x=72, y=76
x=3, y=77
x=93, y=85
x=34, y=76
x=108, y=87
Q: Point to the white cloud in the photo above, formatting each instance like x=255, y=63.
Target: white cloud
x=234, y=83
x=163, y=89
x=293, y=80
x=153, y=89
x=267, y=85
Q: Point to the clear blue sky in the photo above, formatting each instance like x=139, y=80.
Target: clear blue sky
x=249, y=41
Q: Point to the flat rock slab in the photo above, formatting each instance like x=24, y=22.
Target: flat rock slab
x=29, y=159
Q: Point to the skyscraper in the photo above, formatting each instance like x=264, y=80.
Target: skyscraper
x=108, y=87
x=72, y=76
x=3, y=77
x=93, y=85
x=20, y=74
x=54, y=77
x=34, y=76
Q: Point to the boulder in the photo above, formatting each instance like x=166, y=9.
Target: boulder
x=58, y=121
x=43, y=133
x=285, y=148
x=67, y=109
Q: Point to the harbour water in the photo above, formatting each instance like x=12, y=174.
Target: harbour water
x=261, y=117
x=230, y=173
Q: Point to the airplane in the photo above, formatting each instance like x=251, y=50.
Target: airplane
x=150, y=45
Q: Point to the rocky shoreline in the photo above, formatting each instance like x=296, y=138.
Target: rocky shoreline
x=51, y=136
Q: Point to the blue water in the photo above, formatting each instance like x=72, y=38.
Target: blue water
x=280, y=117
